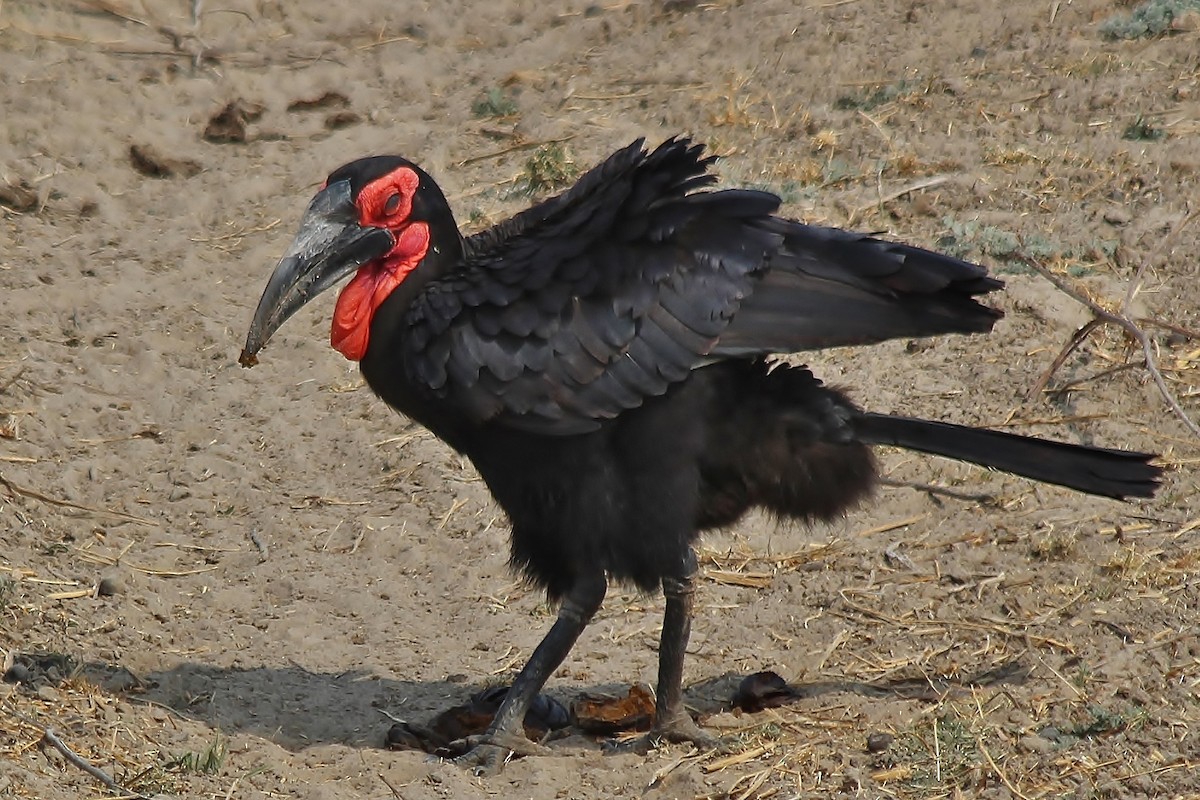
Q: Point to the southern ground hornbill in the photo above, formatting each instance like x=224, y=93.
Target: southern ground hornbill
x=600, y=358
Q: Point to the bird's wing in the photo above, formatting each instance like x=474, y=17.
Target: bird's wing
x=829, y=288
x=586, y=305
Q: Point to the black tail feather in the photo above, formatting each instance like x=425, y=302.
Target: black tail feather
x=1118, y=474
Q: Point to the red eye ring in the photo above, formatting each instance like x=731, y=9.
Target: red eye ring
x=387, y=201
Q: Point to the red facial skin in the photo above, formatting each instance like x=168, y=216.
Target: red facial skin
x=384, y=203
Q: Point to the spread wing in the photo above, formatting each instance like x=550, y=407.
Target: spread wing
x=830, y=288
x=586, y=305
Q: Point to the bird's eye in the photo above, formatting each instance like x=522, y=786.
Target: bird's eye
x=392, y=205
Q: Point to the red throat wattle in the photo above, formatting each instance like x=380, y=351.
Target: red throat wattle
x=370, y=286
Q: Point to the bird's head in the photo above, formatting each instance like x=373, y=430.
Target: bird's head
x=374, y=217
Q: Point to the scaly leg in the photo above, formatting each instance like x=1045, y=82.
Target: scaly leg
x=671, y=719
x=506, y=734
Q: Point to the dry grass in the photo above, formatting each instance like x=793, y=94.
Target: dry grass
x=1071, y=724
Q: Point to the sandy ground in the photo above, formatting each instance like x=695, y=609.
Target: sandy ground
x=287, y=566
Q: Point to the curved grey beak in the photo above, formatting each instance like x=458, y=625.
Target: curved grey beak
x=329, y=246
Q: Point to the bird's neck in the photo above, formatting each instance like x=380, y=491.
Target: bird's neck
x=383, y=364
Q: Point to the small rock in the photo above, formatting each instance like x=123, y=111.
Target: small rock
x=1117, y=216
x=18, y=673
x=150, y=162
x=921, y=204
x=341, y=119
x=1177, y=339
x=1185, y=21
x=955, y=86
x=108, y=586
x=878, y=742
x=20, y=196
x=763, y=690
x=49, y=694
x=1051, y=733
x=1036, y=744
x=120, y=682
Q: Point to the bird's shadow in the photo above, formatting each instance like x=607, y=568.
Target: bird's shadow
x=297, y=708
x=292, y=706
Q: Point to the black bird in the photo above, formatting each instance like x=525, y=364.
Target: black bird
x=601, y=359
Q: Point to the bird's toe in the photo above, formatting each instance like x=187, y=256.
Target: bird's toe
x=679, y=730
x=484, y=760
x=487, y=753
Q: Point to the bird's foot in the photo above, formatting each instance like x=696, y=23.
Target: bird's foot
x=677, y=730
x=487, y=753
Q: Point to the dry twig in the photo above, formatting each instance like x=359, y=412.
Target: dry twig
x=36, y=495
x=924, y=183
x=1000, y=773
x=4, y=387
x=1102, y=316
x=942, y=491
x=512, y=149
x=51, y=739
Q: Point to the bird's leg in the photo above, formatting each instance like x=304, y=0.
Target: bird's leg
x=671, y=719
x=672, y=722
x=506, y=734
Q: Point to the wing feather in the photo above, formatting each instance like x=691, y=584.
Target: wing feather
x=589, y=303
